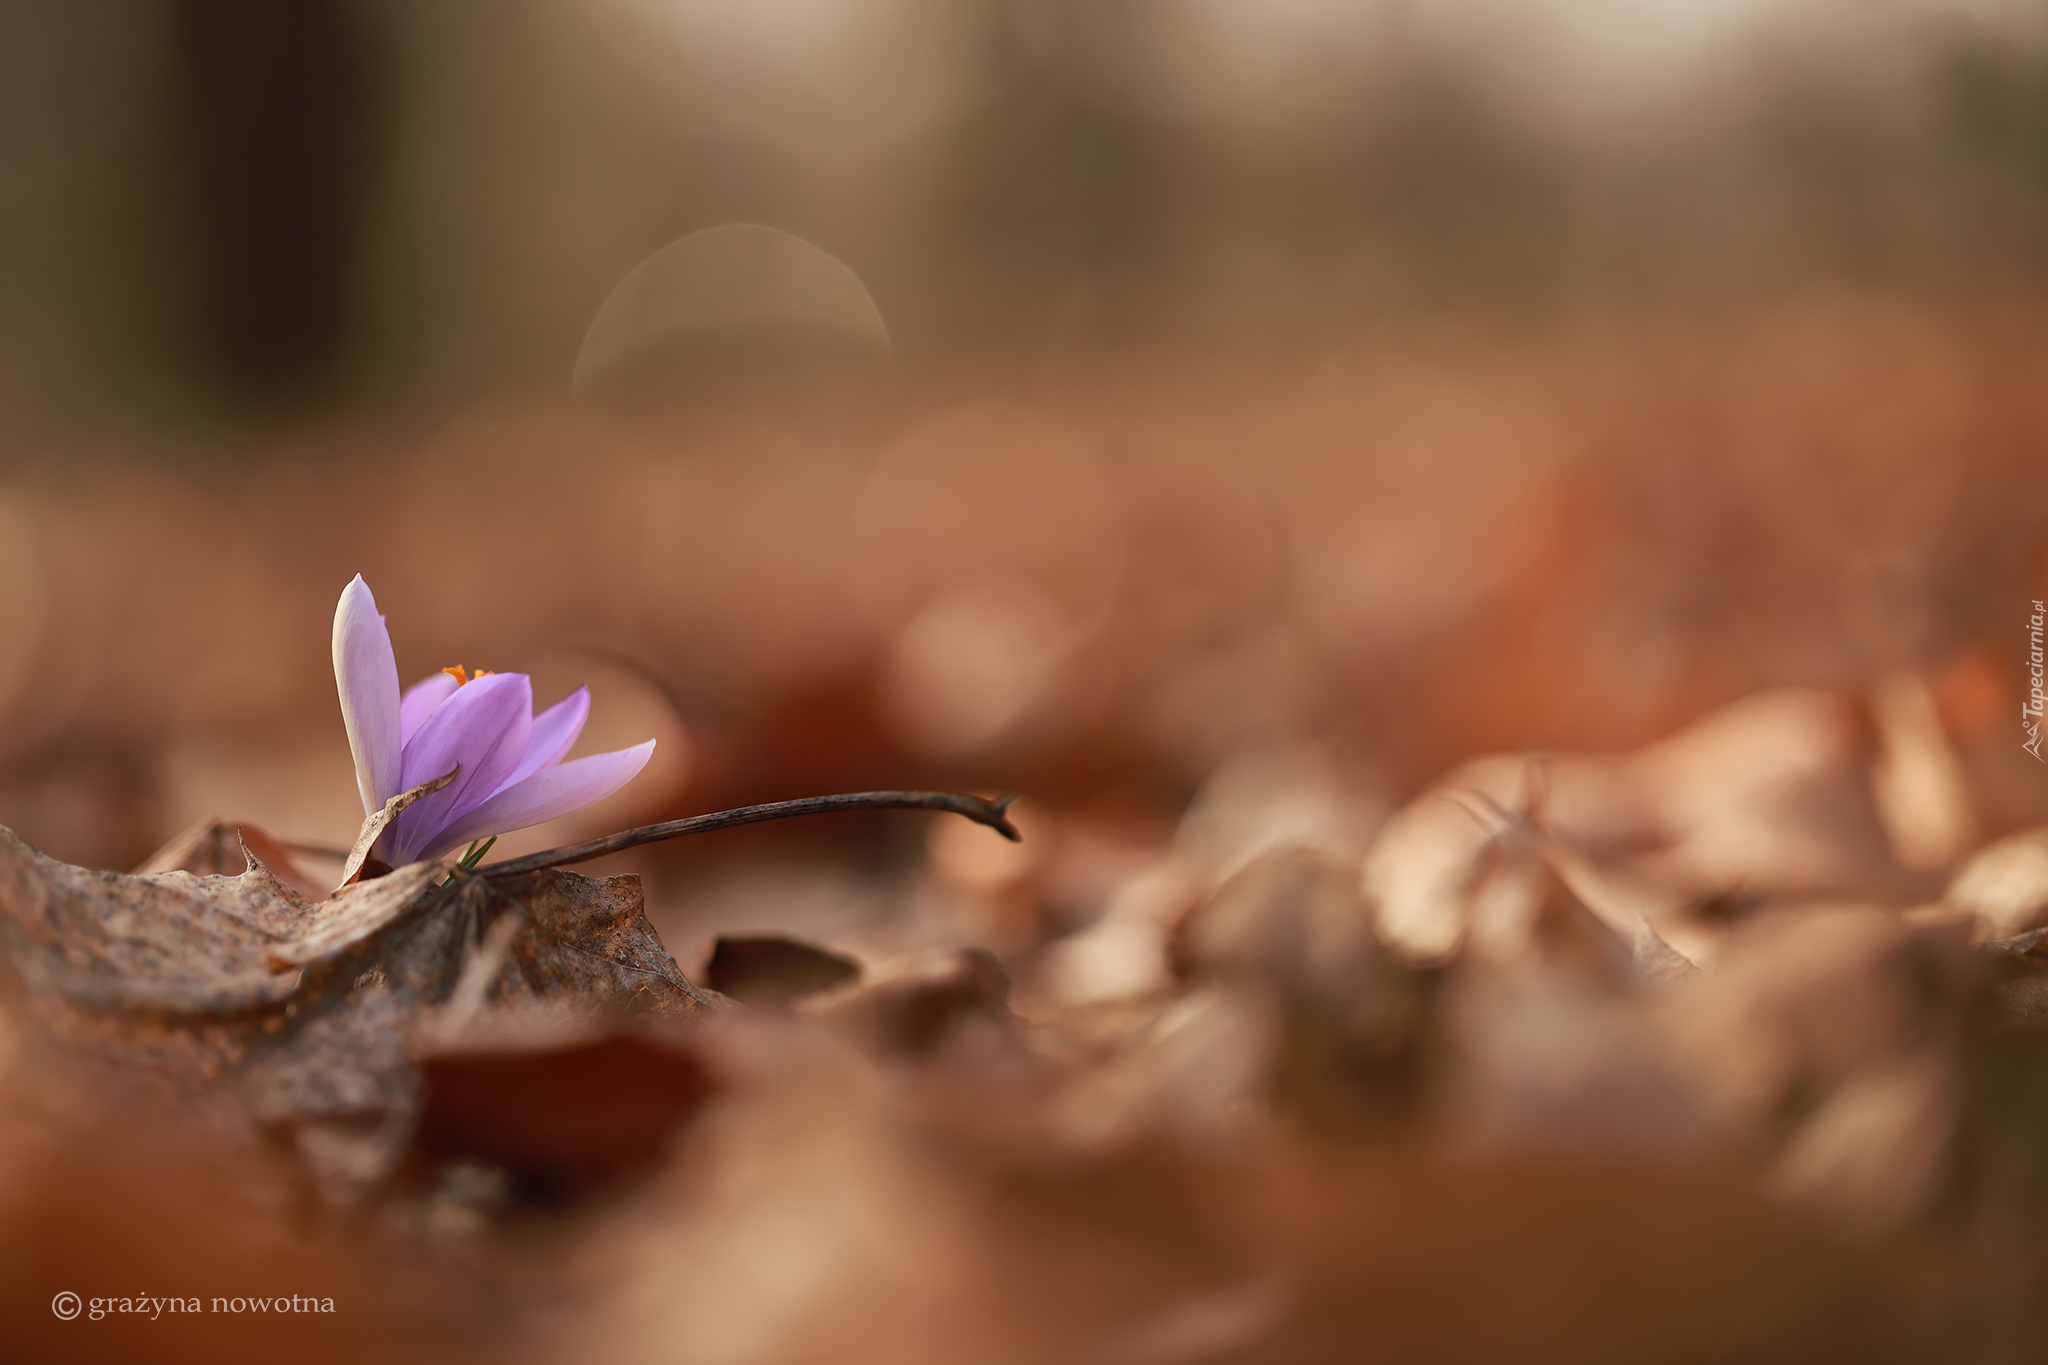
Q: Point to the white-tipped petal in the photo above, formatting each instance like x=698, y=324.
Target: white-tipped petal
x=366, y=675
x=548, y=793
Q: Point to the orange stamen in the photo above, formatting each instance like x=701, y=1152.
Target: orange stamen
x=457, y=674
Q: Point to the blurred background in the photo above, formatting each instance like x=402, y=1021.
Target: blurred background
x=1236, y=428
x=1077, y=398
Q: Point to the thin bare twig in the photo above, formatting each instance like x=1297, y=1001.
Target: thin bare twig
x=988, y=813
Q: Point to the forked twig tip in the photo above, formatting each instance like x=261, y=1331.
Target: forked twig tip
x=999, y=818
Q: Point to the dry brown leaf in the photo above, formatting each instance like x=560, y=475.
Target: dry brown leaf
x=1772, y=795
x=1123, y=955
x=374, y=825
x=1429, y=871
x=302, y=1016
x=1923, y=793
x=772, y=968
x=1870, y=1156
x=2005, y=885
x=1291, y=933
x=1657, y=961
x=911, y=1005
x=558, y=1118
x=1817, y=1020
x=214, y=847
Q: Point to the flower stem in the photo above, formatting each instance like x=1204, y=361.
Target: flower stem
x=988, y=813
x=474, y=854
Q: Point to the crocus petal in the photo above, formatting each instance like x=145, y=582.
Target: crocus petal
x=483, y=728
x=419, y=702
x=554, y=730
x=547, y=794
x=366, y=674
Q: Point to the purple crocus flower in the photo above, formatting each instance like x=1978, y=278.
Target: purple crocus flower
x=509, y=761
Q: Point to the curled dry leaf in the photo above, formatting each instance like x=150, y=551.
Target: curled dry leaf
x=1472, y=862
x=1770, y=798
x=303, y=1017
x=1658, y=962
x=1522, y=904
x=214, y=847
x=1290, y=934
x=910, y=1006
x=770, y=968
x=359, y=860
x=1774, y=794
